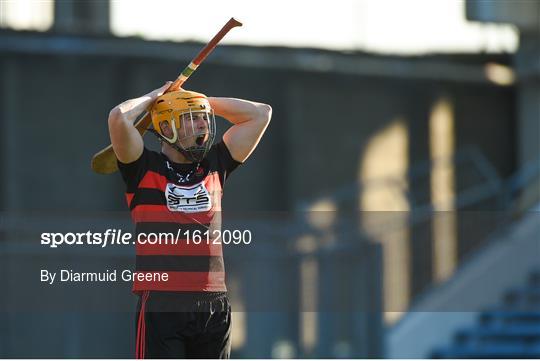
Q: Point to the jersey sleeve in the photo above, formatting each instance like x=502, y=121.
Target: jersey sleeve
x=132, y=173
x=226, y=163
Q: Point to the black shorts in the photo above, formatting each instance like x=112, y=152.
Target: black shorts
x=183, y=325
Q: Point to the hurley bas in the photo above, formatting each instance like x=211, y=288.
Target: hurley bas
x=65, y=275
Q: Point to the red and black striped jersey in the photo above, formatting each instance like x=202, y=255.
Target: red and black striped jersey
x=181, y=200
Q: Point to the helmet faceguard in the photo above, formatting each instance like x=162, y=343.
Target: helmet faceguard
x=197, y=132
x=190, y=119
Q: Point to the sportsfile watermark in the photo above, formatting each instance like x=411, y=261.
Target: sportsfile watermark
x=274, y=261
x=118, y=237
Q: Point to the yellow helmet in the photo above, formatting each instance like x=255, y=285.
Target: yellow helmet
x=177, y=109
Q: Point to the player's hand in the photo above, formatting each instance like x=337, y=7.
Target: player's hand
x=159, y=91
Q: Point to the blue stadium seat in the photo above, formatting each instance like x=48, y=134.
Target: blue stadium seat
x=512, y=331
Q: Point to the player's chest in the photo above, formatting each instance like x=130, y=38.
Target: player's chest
x=200, y=195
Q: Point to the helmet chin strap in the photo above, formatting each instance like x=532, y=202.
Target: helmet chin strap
x=180, y=150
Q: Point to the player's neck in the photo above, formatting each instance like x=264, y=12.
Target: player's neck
x=174, y=155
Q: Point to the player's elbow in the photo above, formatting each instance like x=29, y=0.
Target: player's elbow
x=117, y=122
x=115, y=117
x=265, y=113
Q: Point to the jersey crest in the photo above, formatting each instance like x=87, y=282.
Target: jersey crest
x=191, y=199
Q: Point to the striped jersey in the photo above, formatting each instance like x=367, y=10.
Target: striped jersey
x=176, y=208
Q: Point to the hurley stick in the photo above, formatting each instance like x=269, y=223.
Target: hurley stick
x=104, y=161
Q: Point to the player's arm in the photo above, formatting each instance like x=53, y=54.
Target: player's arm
x=127, y=143
x=250, y=120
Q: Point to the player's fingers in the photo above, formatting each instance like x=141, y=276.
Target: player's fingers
x=160, y=91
